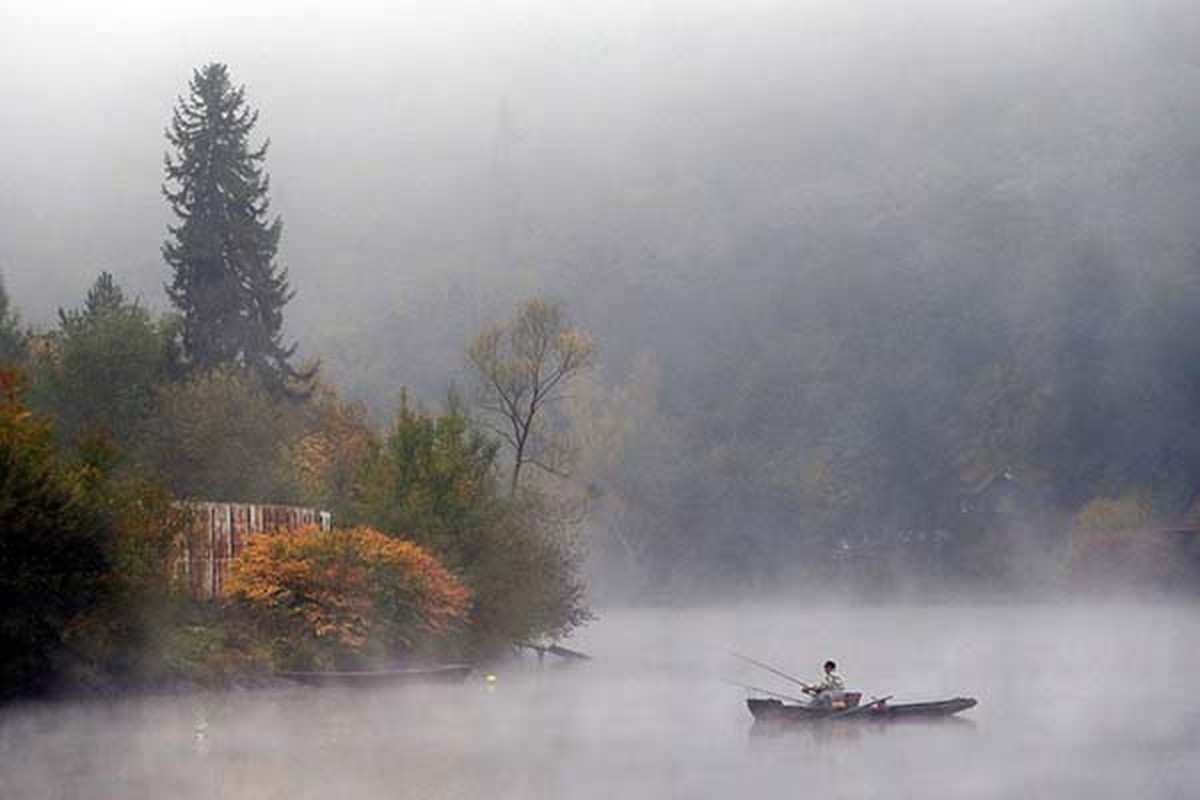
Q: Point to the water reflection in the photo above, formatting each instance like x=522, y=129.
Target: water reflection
x=650, y=717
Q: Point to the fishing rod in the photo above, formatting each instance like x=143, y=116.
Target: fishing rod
x=772, y=670
x=760, y=690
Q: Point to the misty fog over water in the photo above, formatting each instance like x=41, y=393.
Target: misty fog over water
x=1075, y=701
x=891, y=307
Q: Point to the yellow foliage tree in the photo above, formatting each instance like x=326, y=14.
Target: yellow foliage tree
x=346, y=597
x=1108, y=514
x=336, y=441
x=1113, y=542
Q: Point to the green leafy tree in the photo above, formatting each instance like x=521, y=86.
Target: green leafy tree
x=14, y=339
x=56, y=552
x=85, y=562
x=121, y=637
x=435, y=481
x=219, y=435
x=100, y=372
x=104, y=299
x=227, y=284
x=434, y=477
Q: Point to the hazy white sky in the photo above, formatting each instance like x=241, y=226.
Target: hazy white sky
x=384, y=114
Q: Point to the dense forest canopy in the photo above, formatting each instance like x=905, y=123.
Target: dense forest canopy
x=854, y=270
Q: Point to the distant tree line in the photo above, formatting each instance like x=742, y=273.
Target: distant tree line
x=880, y=425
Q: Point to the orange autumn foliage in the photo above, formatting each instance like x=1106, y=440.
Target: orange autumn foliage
x=338, y=438
x=351, y=594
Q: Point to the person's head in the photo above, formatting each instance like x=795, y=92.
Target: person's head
x=830, y=666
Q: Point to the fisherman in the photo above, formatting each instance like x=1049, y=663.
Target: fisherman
x=830, y=689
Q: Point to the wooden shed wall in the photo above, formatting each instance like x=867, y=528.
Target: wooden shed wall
x=220, y=531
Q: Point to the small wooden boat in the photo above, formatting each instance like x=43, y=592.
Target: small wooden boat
x=777, y=711
x=446, y=673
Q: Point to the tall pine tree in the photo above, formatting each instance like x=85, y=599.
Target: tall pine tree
x=226, y=284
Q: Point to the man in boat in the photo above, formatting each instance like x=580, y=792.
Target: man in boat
x=828, y=690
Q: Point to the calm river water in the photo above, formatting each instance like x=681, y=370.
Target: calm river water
x=1088, y=702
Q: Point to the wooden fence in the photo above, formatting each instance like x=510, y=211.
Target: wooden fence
x=220, y=531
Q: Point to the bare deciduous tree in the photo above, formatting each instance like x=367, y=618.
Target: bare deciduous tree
x=523, y=367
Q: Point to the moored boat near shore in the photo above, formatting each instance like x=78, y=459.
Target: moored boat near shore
x=446, y=673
